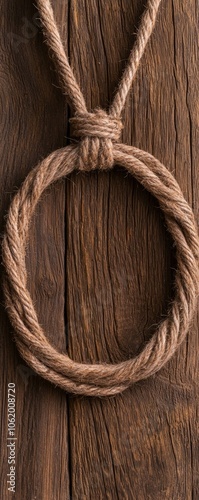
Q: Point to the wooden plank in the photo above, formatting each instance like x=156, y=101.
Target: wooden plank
x=32, y=125
x=120, y=260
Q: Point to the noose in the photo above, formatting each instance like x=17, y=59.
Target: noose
x=99, y=148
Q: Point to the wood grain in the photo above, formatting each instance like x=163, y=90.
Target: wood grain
x=32, y=125
x=101, y=262
x=144, y=443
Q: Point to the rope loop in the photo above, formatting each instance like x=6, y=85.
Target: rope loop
x=100, y=379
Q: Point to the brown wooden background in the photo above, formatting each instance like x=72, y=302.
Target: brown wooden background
x=100, y=258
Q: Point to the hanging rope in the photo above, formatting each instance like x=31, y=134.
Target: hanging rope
x=98, y=147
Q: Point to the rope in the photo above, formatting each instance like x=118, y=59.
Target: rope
x=99, y=133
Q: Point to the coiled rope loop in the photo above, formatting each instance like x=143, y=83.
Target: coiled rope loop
x=98, y=147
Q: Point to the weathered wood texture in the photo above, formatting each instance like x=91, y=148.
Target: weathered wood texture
x=33, y=121
x=99, y=245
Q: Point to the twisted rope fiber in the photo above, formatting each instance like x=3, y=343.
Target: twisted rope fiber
x=98, y=147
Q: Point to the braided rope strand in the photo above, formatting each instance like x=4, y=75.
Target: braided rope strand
x=145, y=29
x=69, y=84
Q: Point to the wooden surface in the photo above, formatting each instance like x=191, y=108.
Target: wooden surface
x=101, y=262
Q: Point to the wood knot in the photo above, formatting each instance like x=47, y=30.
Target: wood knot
x=97, y=132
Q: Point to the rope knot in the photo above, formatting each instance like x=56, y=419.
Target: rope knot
x=97, y=131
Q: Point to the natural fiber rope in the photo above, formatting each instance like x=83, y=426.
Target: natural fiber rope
x=99, y=148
